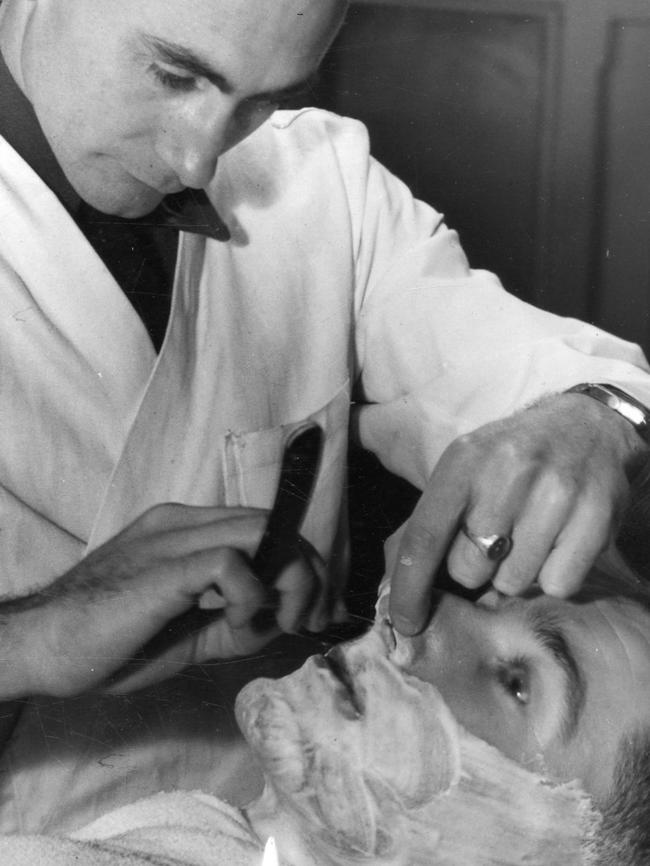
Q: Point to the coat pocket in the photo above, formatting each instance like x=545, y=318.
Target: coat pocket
x=252, y=468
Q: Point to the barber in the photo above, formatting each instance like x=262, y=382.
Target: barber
x=159, y=344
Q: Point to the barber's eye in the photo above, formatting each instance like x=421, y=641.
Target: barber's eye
x=173, y=81
x=514, y=680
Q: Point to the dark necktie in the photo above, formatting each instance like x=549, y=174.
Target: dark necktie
x=191, y=211
x=141, y=253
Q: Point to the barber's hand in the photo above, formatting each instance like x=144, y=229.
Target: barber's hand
x=94, y=619
x=553, y=478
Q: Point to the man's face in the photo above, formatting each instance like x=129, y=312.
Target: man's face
x=139, y=99
x=349, y=743
x=383, y=748
x=553, y=684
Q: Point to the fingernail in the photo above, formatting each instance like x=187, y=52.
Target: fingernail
x=404, y=626
x=555, y=588
x=508, y=587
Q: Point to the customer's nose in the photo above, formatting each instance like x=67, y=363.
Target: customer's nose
x=452, y=622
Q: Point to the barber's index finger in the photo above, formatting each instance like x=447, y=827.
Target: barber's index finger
x=423, y=546
x=420, y=554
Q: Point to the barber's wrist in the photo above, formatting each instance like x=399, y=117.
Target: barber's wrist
x=619, y=401
x=629, y=436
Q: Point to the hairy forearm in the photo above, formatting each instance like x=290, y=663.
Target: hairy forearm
x=68, y=636
x=77, y=632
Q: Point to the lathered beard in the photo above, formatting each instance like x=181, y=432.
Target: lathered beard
x=374, y=768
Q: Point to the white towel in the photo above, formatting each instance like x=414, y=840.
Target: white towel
x=176, y=829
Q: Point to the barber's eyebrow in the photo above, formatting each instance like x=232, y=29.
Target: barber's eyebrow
x=550, y=636
x=185, y=59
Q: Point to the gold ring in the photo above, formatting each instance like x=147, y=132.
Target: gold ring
x=493, y=547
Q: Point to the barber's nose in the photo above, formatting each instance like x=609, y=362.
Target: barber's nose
x=192, y=144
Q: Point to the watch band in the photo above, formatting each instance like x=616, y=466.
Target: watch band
x=627, y=406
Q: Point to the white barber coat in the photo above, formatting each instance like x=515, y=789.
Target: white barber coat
x=334, y=276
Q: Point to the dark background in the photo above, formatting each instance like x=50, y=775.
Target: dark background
x=527, y=123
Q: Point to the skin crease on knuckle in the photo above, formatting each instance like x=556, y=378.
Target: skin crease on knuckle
x=561, y=568
x=514, y=582
x=419, y=537
x=563, y=489
x=564, y=571
x=565, y=481
x=467, y=565
x=233, y=576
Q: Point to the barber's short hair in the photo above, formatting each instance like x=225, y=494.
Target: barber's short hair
x=623, y=838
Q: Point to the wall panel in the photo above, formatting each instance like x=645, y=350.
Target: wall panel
x=456, y=103
x=623, y=259
x=525, y=122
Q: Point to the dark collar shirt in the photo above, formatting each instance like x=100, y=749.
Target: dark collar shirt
x=140, y=253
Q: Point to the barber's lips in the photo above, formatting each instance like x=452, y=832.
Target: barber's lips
x=172, y=188
x=163, y=186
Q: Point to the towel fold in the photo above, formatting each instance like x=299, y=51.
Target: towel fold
x=174, y=829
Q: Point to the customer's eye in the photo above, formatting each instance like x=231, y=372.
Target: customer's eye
x=514, y=679
x=172, y=80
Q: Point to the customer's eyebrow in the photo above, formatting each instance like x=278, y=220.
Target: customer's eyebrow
x=550, y=636
x=185, y=59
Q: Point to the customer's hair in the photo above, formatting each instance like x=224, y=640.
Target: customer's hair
x=624, y=835
x=634, y=536
x=623, y=838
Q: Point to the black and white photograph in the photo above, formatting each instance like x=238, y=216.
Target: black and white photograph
x=324, y=432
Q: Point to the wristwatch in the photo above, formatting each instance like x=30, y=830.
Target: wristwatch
x=629, y=407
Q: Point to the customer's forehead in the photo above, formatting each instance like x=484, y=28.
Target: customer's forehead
x=604, y=603
x=605, y=616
